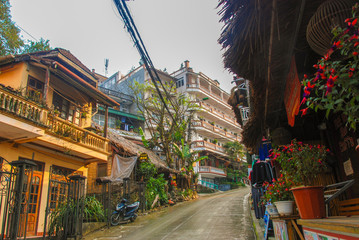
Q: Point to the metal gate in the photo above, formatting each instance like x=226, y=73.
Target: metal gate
x=15, y=185
x=65, y=204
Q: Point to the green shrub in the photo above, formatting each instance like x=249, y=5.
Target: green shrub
x=156, y=186
x=93, y=210
x=146, y=170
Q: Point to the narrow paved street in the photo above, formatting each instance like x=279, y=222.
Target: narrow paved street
x=218, y=216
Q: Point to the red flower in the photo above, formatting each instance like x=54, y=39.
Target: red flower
x=309, y=85
x=304, y=111
x=356, y=44
x=303, y=100
x=347, y=20
x=355, y=21
x=355, y=53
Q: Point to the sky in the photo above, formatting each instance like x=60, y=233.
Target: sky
x=172, y=30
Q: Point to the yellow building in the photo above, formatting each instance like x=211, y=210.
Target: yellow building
x=47, y=100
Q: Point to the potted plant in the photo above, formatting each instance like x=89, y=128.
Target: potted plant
x=279, y=194
x=304, y=162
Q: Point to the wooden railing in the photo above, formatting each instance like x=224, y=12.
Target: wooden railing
x=20, y=107
x=65, y=129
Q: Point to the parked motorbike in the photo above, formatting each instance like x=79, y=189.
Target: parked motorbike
x=124, y=211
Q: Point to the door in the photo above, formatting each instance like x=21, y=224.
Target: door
x=34, y=203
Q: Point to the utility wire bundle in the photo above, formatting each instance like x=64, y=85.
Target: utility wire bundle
x=132, y=29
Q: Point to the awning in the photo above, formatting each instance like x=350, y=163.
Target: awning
x=111, y=110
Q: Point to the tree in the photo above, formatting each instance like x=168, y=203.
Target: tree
x=186, y=156
x=9, y=33
x=234, y=150
x=32, y=46
x=11, y=43
x=164, y=129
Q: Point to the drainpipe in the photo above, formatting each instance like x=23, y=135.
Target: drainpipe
x=46, y=86
x=106, y=122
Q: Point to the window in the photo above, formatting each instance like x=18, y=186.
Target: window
x=111, y=122
x=179, y=82
x=64, y=106
x=99, y=119
x=101, y=169
x=35, y=89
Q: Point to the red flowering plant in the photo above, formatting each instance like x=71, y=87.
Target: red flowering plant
x=279, y=190
x=302, y=162
x=335, y=85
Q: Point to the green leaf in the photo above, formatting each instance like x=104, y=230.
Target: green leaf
x=327, y=113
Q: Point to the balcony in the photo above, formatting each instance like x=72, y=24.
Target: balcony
x=208, y=127
x=208, y=171
x=207, y=92
x=204, y=145
x=64, y=129
x=28, y=121
x=220, y=115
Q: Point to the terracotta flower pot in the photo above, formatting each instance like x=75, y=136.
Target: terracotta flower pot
x=310, y=201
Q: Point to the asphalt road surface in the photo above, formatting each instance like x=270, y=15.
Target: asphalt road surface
x=215, y=216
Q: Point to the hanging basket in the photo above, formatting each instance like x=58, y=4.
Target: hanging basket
x=330, y=14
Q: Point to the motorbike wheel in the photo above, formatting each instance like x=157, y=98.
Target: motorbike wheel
x=133, y=218
x=115, y=219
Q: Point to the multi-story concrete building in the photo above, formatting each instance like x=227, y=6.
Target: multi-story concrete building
x=127, y=119
x=214, y=125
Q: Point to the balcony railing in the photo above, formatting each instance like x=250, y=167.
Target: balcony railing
x=212, y=128
x=208, y=184
x=65, y=129
x=209, y=92
x=20, y=107
x=208, y=145
x=209, y=108
x=209, y=169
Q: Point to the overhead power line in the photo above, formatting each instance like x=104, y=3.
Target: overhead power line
x=26, y=32
x=135, y=35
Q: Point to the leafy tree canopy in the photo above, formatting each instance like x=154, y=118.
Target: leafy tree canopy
x=164, y=130
x=9, y=33
x=234, y=150
x=11, y=42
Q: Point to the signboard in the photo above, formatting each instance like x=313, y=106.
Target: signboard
x=348, y=169
x=319, y=234
x=280, y=230
x=143, y=157
x=292, y=93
